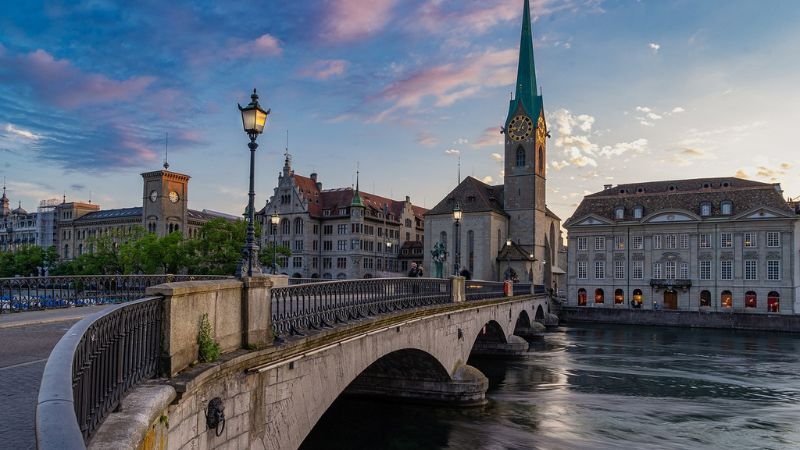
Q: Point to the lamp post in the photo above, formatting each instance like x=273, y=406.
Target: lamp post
x=457, y=217
x=508, y=258
x=253, y=120
x=274, y=220
x=388, y=259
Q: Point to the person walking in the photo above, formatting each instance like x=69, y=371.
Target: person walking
x=413, y=271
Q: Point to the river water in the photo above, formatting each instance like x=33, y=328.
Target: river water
x=603, y=387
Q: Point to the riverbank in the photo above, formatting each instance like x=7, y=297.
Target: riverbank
x=689, y=319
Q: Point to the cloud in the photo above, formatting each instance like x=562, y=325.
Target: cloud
x=497, y=157
x=655, y=47
x=452, y=151
x=461, y=141
x=558, y=165
x=643, y=109
x=325, y=69
x=57, y=81
x=426, y=139
x=654, y=116
x=487, y=179
x=77, y=187
x=265, y=45
x=448, y=83
x=489, y=138
x=677, y=110
x=742, y=174
x=620, y=148
x=21, y=133
x=350, y=20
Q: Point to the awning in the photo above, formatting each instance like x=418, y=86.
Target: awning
x=558, y=270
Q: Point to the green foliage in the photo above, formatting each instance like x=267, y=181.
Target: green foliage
x=26, y=261
x=209, y=349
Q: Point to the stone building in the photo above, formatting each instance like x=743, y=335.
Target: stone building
x=703, y=244
x=516, y=210
x=18, y=227
x=337, y=233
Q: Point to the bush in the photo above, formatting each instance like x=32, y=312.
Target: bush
x=209, y=348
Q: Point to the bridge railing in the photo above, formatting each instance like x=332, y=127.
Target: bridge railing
x=479, y=289
x=312, y=306
x=92, y=367
x=36, y=293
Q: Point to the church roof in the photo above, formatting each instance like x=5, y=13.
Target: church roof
x=526, y=89
x=111, y=214
x=472, y=195
x=685, y=195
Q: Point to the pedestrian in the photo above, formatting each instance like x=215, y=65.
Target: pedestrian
x=413, y=272
x=465, y=273
x=419, y=270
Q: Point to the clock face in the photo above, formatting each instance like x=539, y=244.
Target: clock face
x=541, y=130
x=153, y=196
x=173, y=197
x=520, y=128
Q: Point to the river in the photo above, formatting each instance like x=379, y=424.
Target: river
x=603, y=387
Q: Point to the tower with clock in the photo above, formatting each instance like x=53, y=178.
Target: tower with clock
x=525, y=149
x=165, y=201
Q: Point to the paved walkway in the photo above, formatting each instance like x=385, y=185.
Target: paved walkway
x=26, y=340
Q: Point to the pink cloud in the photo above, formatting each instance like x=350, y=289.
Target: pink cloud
x=63, y=84
x=264, y=45
x=324, y=69
x=348, y=20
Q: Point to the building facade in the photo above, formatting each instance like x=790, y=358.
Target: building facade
x=506, y=231
x=18, y=227
x=338, y=233
x=717, y=244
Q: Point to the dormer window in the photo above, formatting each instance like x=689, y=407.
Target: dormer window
x=706, y=185
x=326, y=212
x=726, y=184
x=342, y=211
x=619, y=213
x=726, y=207
x=705, y=209
x=640, y=190
x=637, y=212
x=672, y=188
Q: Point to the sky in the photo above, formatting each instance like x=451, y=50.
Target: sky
x=401, y=90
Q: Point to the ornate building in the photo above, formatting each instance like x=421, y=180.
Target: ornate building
x=18, y=228
x=516, y=210
x=338, y=233
x=704, y=244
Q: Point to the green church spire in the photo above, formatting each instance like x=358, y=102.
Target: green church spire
x=526, y=90
x=356, y=197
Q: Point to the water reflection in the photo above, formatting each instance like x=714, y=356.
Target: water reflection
x=604, y=387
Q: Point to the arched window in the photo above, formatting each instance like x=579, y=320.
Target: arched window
x=726, y=208
x=581, y=297
x=619, y=297
x=298, y=226
x=705, y=209
x=286, y=227
x=327, y=276
x=471, y=251
x=773, y=302
x=520, y=157
x=541, y=161
x=619, y=213
x=408, y=223
x=750, y=299
x=726, y=299
x=705, y=298
x=599, y=296
x=341, y=276
x=637, y=298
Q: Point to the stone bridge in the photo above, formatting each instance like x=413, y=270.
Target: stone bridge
x=274, y=396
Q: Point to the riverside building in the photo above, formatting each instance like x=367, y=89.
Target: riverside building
x=714, y=244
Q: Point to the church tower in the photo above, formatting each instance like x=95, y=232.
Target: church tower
x=525, y=151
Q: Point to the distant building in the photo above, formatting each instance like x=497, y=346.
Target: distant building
x=17, y=226
x=338, y=233
x=516, y=210
x=702, y=244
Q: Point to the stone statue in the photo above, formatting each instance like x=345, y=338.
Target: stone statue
x=438, y=255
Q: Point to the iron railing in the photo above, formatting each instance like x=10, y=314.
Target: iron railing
x=312, y=306
x=296, y=281
x=92, y=367
x=479, y=289
x=35, y=293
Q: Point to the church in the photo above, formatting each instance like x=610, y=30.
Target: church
x=505, y=231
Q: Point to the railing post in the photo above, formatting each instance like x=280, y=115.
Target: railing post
x=257, y=311
x=459, y=294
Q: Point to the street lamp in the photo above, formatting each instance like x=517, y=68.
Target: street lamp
x=457, y=217
x=274, y=220
x=508, y=258
x=253, y=120
x=389, y=251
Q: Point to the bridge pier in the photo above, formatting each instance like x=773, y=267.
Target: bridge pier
x=467, y=388
x=534, y=332
x=514, y=347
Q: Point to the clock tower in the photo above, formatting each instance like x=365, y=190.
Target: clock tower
x=165, y=201
x=525, y=152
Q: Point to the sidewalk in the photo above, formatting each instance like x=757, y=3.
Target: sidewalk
x=21, y=319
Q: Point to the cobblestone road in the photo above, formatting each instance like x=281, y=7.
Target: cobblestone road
x=26, y=340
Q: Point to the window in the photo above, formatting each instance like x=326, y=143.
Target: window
x=750, y=269
x=726, y=208
x=368, y=263
x=619, y=297
x=342, y=211
x=750, y=300
x=637, y=243
x=581, y=270
x=705, y=240
x=619, y=213
x=773, y=301
x=705, y=270
x=314, y=245
x=725, y=240
x=599, y=269
x=705, y=209
x=684, y=239
x=286, y=227
x=672, y=241
x=583, y=243
x=520, y=157
x=355, y=244
x=619, y=270
x=599, y=296
x=341, y=229
x=683, y=271
x=341, y=263
x=341, y=245
x=600, y=243
x=670, y=266
x=297, y=262
x=774, y=270
x=656, y=270
x=619, y=242
x=471, y=251
x=314, y=262
x=316, y=229
x=726, y=270
x=637, y=212
x=298, y=226
x=298, y=245
x=726, y=299
x=326, y=263
x=581, y=297
x=327, y=229
x=750, y=240
x=638, y=270
x=705, y=298
x=327, y=245
x=657, y=241
x=773, y=239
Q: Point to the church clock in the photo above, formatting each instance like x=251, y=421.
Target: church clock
x=520, y=127
x=541, y=130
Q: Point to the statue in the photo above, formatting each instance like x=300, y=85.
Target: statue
x=438, y=253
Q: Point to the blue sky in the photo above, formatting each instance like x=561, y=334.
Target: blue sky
x=633, y=90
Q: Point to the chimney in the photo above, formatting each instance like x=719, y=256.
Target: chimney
x=314, y=177
x=408, y=199
x=606, y=187
x=319, y=185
